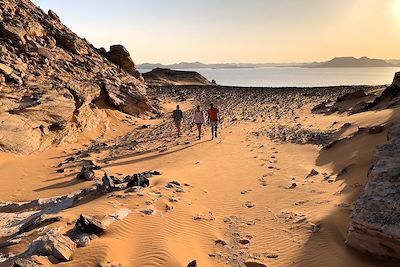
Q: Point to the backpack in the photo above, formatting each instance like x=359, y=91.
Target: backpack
x=177, y=114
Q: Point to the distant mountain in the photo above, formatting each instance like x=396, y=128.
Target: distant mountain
x=199, y=65
x=337, y=62
x=352, y=62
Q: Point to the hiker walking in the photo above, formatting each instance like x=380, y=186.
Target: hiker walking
x=198, y=119
x=213, y=119
x=177, y=115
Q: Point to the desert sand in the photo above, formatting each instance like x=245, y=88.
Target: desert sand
x=93, y=173
x=271, y=189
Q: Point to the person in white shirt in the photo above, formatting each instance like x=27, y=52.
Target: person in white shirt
x=198, y=119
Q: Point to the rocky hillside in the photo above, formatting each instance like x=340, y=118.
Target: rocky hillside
x=163, y=77
x=375, y=222
x=53, y=83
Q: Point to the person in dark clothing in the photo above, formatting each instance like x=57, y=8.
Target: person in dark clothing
x=177, y=116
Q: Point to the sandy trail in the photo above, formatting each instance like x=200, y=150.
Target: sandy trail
x=246, y=198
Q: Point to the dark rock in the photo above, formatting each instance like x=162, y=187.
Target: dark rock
x=192, y=264
x=376, y=129
x=86, y=173
x=244, y=242
x=254, y=264
x=312, y=173
x=139, y=179
x=89, y=225
x=53, y=15
x=107, y=184
x=294, y=185
x=220, y=242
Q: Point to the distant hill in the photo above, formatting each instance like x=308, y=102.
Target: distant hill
x=352, y=62
x=163, y=77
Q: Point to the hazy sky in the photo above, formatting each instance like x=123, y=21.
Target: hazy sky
x=214, y=31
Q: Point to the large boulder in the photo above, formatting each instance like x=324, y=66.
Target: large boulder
x=375, y=222
x=121, y=57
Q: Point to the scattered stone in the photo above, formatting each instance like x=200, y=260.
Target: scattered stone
x=172, y=199
x=192, y=264
x=316, y=228
x=220, y=242
x=89, y=225
x=86, y=173
x=148, y=212
x=139, y=179
x=244, y=242
x=107, y=184
x=294, y=185
x=312, y=173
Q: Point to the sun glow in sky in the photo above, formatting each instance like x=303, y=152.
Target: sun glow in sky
x=215, y=31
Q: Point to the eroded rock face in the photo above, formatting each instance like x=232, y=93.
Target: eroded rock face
x=51, y=81
x=375, y=222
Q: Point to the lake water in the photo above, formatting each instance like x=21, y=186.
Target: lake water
x=299, y=77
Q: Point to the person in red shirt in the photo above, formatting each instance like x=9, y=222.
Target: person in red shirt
x=213, y=119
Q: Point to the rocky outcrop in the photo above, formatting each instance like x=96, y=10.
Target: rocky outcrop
x=52, y=81
x=163, y=77
x=120, y=56
x=375, y=222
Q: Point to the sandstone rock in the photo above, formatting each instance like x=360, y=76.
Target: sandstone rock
x=67, y=72
x=44, y=52
x=53, y=244
x=34, y=29
x=5, y=69
x=15, y=33
x=120, y=56
x=375, y=222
